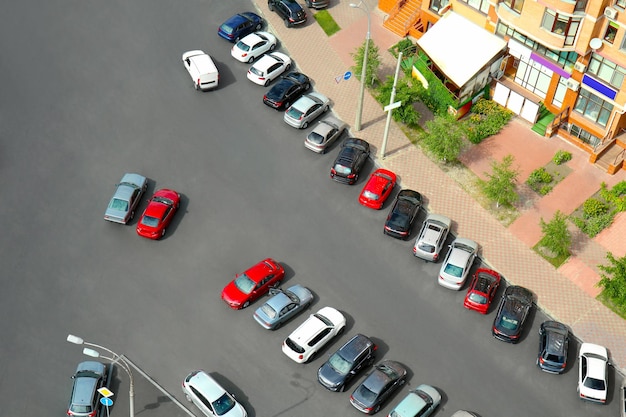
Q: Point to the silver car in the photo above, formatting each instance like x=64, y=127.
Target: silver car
x=126, y=198
x=431, y=238
x=306, y=109
x=210, y=397
x=421, y=402
x=283, y=306
x=324, y=134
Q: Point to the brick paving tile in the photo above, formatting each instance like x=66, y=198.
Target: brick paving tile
x=507, y=250
x=612, y=239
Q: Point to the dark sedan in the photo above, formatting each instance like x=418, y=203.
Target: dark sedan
x=512, y=312
x=287, y=90
x=240, y=25
x=403, y=213
x=383, y=381
x=352, y=156
x=357, y=354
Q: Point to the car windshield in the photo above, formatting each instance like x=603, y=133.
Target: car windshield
x=343, y=170
x=509, y=323
x=117, y=204
x=244, y=283
x=256, y=72
x=426, y=247
x=478, y=298
x=295, y=113
x=453, y=270
x=163, y=200
x=339, y=364
x=594, y=383
x=243, y=46
x=398, y=219
x=81, y=409
x=150, y=221
x=370, y=195
x=226, y=29
x=223, y=404
x=269, y=311
x=315, y=137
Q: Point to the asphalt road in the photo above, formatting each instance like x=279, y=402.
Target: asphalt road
x=94, y=89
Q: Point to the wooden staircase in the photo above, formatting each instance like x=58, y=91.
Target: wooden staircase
x=611, y=159
x=404, y=16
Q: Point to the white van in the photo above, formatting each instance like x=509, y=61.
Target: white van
x=202, y=70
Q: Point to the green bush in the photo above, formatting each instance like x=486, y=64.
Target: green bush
x=561, y=157
x=538, y=177
x=545, y=190
x=592, y=207
x=488, y=118
x=407, y=94
x=406, y=46
x=594, y=225
x=616, y=196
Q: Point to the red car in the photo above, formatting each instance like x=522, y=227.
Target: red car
x=253, y=283
x=159, y=213
x=377, y=189
x=482, y=289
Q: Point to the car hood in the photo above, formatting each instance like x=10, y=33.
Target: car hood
x=330, y=376
x=231, y=293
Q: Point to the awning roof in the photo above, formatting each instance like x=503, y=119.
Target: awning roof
x=459, y=47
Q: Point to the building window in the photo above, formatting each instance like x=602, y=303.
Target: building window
x=583, y=135
x=564, y=59
x=611, y=32
x=436, y=5
x=606, y=70
x=561, y=25
x=559, y=93
x=515, y=5
x=621, y=3
x=593, y=107
x=481, y=5
x=581, y=5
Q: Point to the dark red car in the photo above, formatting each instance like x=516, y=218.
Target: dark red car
x=253, y=283
x=377, y=189
x=159, y=213
x=482, y=289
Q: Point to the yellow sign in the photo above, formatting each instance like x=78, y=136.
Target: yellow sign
x=105, y=392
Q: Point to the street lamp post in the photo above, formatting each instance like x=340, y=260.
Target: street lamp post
x=359, y=111
x=114, y=359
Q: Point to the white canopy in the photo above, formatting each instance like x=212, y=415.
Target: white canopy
x=459, y=47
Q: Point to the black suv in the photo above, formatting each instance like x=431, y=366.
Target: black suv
x=358, y=353
x=553, y=342
x=90, y=376
x=287, y=90
x=354, y=152
x=289, y=10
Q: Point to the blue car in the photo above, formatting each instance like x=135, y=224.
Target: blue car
x=240, y=25
x=284, y=305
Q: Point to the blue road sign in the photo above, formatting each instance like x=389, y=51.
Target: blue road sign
x=347, y=75
x=106, y=401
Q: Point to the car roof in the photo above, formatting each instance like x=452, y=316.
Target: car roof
x=206, y=385
x=556, y=340
x=410, y=195
x=278, y=301
x=379, y=179
x=260, y=270
x=305, y=102
x=378, y=378
x=355, y=346
x=268, y=60
x=410, y=405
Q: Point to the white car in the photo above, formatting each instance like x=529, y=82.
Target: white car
x=306, y=109
x=458, y=262
x=210, y=397
x=593, y=380
x=269, y=67
x=313, y=334
x=202, y=70
x=253, y=46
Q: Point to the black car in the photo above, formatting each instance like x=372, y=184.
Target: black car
x=553, y=344
x=383, y=381
x=512, y=311
x=358, y=353
x=352, y=156
x=240, y=25
x=403, y=213
x=89, y=377
x=289, y=10
x=317, y=4
x=287, y=90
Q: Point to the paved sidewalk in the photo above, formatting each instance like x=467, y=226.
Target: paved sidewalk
x=505, y=249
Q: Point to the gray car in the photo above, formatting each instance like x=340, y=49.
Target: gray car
x=324, y=134
x=306, y=109
x=421, y=402
x=121, y=208
x=85, y=398
x=378, y=386
x=432, y=236
x=283, y=306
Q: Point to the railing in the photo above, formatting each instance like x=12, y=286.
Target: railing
x=411, y=20
x=395, y=10
x=618, y=157
x=558, y=119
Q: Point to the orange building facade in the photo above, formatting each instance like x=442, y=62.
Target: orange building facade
x=568, y=57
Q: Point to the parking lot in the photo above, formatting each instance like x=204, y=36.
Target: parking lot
x=93, y=90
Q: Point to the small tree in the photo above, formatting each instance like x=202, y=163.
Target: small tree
x=443, y=137
x=373, y=62
x=500, y=187
x=613, y=279
x=556, y=235
x=406, y=94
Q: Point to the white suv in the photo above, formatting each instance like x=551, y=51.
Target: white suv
x=210, y=397
x=313, y=334
x=593, y=381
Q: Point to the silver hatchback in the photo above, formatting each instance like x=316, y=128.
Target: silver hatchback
x=432, y=236
x=324, y=134
x=306, y=109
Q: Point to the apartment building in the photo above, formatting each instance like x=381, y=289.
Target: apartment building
x=564, y=66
